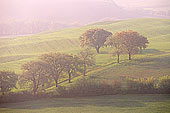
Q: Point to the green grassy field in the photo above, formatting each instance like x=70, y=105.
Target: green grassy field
x=101, y=104
x=154, y=62
x=16, y=51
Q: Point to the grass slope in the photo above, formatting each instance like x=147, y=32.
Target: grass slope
x=14, y=52
x=155, y=61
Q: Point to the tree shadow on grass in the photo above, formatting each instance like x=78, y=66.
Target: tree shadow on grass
x=159, y=62
x=104, y=52
x=152, y=51
x=155, y=61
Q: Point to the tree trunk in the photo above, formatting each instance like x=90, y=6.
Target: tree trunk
x=2, y=90
x=69, y=77
x=97, y=49
x=84, y=70
x=129, y=55
x=34, y=92
x=3, y=93
x=118, y=58
x=140, y=50
x=56, y=83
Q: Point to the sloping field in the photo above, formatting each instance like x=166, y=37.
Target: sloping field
x=154, y=62
x=15, y=51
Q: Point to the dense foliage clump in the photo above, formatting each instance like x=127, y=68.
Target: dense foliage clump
x=8, y=81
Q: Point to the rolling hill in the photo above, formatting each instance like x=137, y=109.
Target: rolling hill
x=16, y=51
x=154, y=62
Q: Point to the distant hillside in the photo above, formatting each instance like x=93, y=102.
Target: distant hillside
x=20, y=17
x=159, y=8
x=143, y=3
x=67, y=39
x=25, y=27
x=34, y=17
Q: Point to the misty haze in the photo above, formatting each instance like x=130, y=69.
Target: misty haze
x=85, y=56
x=20, y=17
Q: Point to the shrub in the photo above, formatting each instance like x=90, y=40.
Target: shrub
x=85, y=88
x=8, y=81
x=16, y=97
x=164, y=84
x=91, y=88
x=62, y=91
x=140, y=85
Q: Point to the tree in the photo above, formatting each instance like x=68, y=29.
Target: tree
x=7, y=81
x=130, y=41
x=34, y=72
x=56, y=64
x=142, y=43
x=116, y=42
x=94, y=38
x=72, y=66
x=86, y=59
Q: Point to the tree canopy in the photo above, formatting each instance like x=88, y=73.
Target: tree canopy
x=7, y=81
x=94, y=38
x=127, y=42
x=86, y=58
x=72, y=66
x=115, y=41
x=56, y=64
x=132, y=41
x=142, y=43
x=34, y=72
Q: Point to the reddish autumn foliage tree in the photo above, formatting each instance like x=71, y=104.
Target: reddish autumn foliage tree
x=132, y=41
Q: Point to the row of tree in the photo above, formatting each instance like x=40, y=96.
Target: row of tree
x=39, y=74
x=53, y=66
x=129, y=42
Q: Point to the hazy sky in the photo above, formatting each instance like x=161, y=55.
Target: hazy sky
x=44, y=7
x=6, y=5
x=142, y=3
x=21, y=8
x=121, y=2
x=31, y=5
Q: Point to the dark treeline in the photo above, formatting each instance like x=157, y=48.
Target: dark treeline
x=28, y=27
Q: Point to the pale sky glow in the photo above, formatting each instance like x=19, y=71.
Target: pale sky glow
x=141, y=2
x=6, y=5
x=59, y=14
x=71, y=10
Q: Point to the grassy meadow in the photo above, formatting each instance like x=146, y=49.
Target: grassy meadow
x=153, y=62
x=16, y=51
x=101, y=104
